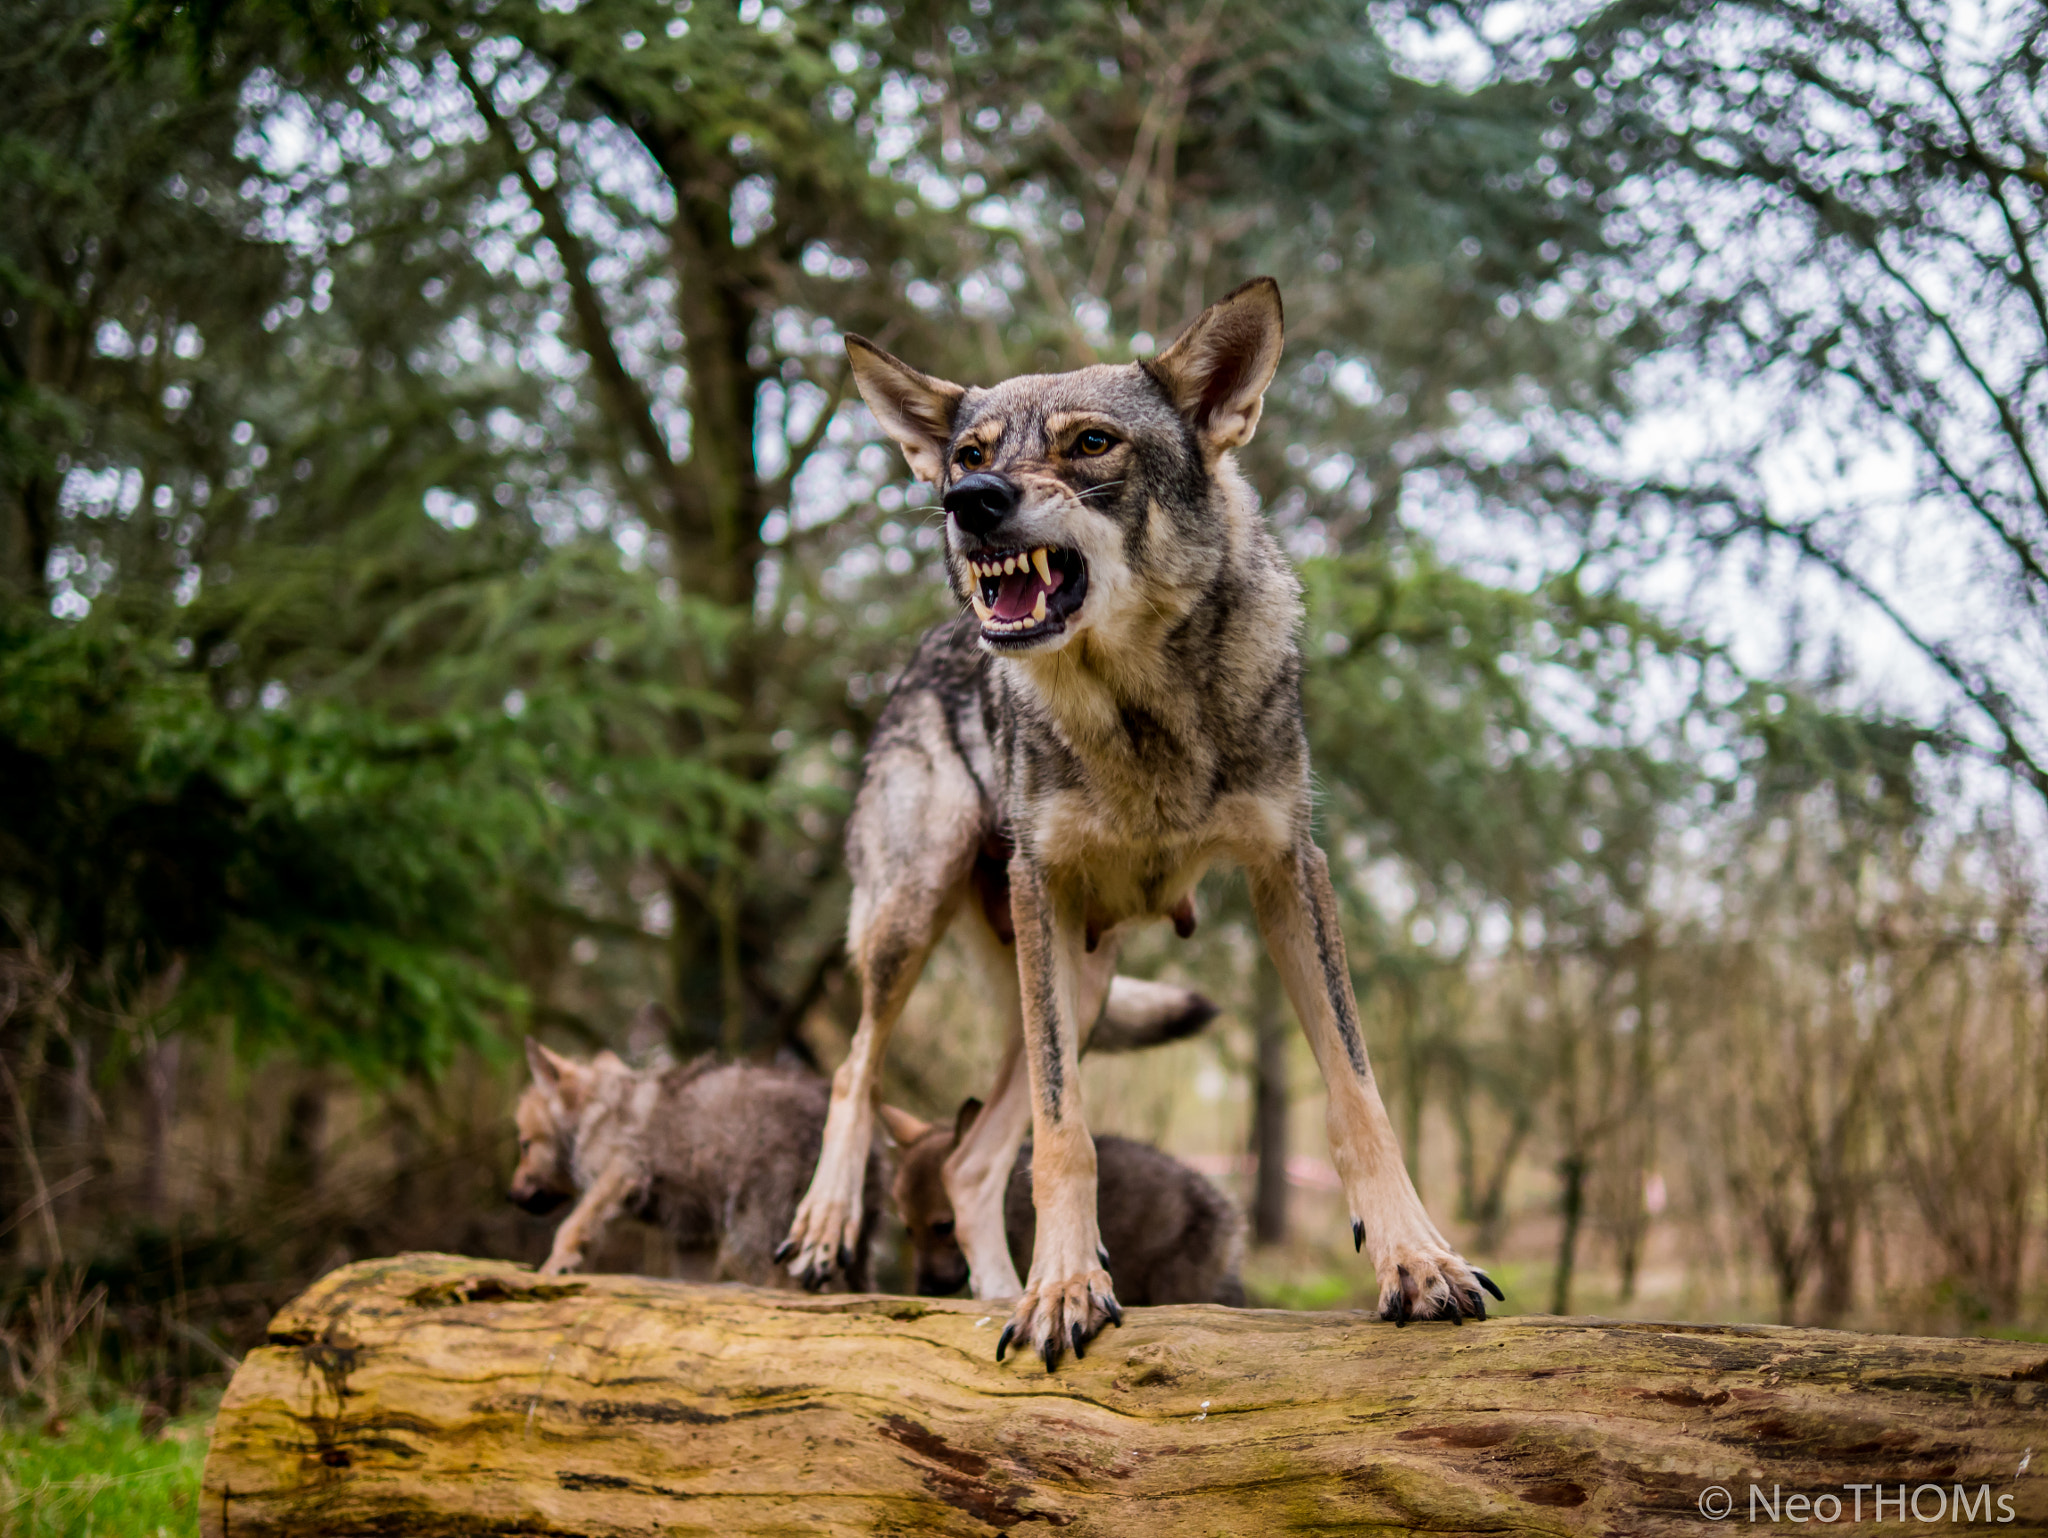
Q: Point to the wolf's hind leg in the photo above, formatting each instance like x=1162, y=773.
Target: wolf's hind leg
x=916, y=824
x=1420, y=1275
x=977, y=1171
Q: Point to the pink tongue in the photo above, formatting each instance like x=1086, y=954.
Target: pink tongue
x=1018, y=595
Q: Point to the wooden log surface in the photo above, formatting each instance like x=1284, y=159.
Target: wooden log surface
x=435, y=1395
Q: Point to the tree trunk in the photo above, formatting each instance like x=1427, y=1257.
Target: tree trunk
x=1571, y=1175
x=1269, y=1105
x=160, y=1108
x=435, y=1395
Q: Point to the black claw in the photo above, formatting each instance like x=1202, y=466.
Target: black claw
x=1357, y=1234
x=1488, y=1283
x=1102, y=1254
x=1111, y=1307
x=784, y=1250
x=1079, y=1339
x=1050, y=1351
x=1478, y=1304
x=1003, y=1341
x=1403, y=1308
x=846, y=1260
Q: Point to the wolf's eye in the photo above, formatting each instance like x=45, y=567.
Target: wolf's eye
x=971, y=456
x=1093, y=442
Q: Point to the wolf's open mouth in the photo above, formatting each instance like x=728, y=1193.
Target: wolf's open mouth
x=1022, y=595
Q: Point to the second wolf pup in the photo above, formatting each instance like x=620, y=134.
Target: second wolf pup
x=717, y=1155
x=1172, y=1237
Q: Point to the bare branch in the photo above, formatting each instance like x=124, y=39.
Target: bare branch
x=630, y=407
x=1989, y=701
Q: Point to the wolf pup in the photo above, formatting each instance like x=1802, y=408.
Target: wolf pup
x=716, y=1156
x=1120, y=710
x=1171, y=1236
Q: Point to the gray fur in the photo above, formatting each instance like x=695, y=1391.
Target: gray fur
x=717, y=1156
x=1121, y=710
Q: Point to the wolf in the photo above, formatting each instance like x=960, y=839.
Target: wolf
x=1172, y=1237
x=1119, y=709
x=718, y=1156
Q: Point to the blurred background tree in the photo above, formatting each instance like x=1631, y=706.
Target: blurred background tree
x=448, y=585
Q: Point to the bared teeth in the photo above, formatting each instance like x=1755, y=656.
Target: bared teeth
x=991, y=571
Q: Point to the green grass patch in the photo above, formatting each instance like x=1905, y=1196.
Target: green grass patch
x=104, y=1477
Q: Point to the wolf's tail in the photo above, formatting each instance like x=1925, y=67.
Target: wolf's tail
x=1140, y=1014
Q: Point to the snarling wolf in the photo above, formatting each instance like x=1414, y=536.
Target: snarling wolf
x=1120, y=710
x=716, y=1156
x=1171, y=1236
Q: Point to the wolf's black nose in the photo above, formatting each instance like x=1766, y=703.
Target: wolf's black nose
x=980, y=502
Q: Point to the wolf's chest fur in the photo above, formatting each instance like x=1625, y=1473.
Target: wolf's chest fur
x=1128, y=776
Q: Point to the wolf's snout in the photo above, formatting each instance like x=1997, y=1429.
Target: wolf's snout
x=980, y=502
x=536, y=1199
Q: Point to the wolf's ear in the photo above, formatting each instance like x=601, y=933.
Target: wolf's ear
x=559, y=1078
x=969, y=1109
x=547, y=1066
x=914, y=409
x=903, y=1127
x=1217, y=370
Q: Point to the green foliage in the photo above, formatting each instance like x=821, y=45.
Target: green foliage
x=333, y=879
x=1422, y=674
x=534, y=507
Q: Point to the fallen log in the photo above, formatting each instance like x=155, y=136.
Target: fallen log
x=434, y=1395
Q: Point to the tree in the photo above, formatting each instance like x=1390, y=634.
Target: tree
x=577, y=278
x=1839, y=210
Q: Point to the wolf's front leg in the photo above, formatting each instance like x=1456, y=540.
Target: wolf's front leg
x=1420, y=1275
x=604, y=1199
x=1068, y=1297
x=825, y=1232
x=891, y=936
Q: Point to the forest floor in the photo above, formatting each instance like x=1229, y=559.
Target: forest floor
x=103, y=1473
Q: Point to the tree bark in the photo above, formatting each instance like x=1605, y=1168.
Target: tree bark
x=1271, y=1031
x=436, y=1395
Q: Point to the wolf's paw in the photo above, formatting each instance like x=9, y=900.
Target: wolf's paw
x=1059, y=1313
x=1427, y=1280
x=822, y=1237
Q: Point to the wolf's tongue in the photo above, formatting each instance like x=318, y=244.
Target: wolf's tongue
x=1018, y=595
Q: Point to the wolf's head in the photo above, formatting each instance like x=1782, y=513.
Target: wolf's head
x=559, y=1100
x=939, y=1264
x=1091, y=503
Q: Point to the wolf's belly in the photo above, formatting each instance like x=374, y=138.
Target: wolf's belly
x=1123, y=865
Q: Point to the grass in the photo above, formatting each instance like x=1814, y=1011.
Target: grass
x=103, y=1477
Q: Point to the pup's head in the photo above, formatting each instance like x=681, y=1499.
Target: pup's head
x=1094, y=501
x=921, y=1199
x=547, y=1117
